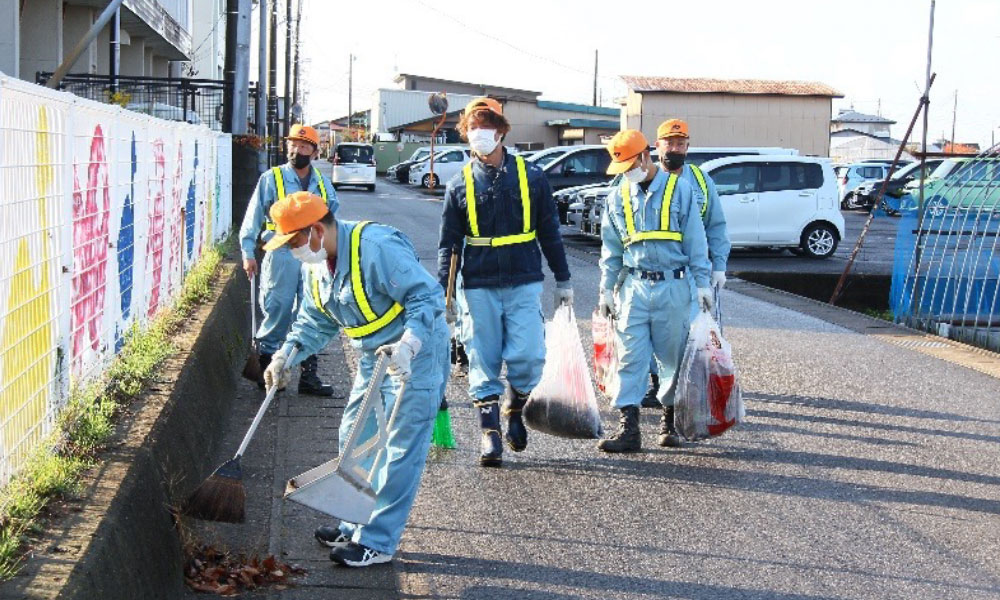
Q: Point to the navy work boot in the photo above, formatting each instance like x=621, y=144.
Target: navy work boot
x=265, y=360
x=491, y=451
x=309, y=381
x=627, y=438
x=668, y=434
x=517, y=435
x=650, y=400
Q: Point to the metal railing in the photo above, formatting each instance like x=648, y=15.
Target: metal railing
x=197, y=101
x=946, y=274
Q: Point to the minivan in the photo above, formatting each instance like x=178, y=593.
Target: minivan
x=354, y=164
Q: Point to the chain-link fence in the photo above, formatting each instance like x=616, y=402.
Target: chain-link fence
x=946, y=275
x=196, y=101
x=102, y=210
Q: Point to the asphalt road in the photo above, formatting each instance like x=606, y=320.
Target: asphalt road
x=865, y=470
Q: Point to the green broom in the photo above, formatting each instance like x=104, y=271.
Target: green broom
x=443, y=437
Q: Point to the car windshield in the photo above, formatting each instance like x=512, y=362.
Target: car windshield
x=355, y=154
x=543, y=159
x=419, y=154
x=944, y=168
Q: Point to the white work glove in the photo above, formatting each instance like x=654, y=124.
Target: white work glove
x=451, y=314
x=562, y=295
x=400, y=354
x=705, y=299
x=276, y=374
x=718, y=279
x=606, y=305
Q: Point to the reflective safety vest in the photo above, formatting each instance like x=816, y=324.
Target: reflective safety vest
x=373, y=322
x=470, y=203
x=704, y=190
x=279, y=183
x=664, y=232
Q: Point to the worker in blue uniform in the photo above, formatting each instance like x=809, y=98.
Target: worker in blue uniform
x=653, y=240
x=672, y=143
x=365, y=279
x=500, y=216
x=280, y=280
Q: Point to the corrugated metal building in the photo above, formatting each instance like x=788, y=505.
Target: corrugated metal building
x=392, y=108
x=735, y=112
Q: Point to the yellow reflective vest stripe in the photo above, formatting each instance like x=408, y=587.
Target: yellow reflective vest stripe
x=470, y=203
x=664, y=232
x=374, y=322
x=279, y=184
x=704, y=189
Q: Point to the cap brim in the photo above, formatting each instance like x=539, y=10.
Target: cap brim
x=278, y=241
x=670, y=135
x=620, y=167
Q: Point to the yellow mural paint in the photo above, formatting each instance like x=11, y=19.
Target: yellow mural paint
x=27, y=336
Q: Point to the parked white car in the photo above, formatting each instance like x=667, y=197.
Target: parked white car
x=852, y=176
x=354, y=164
x=446, y=164
x=779, y=201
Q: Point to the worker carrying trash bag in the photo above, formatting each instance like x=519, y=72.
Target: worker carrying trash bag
x=365, y=278
x=672, y=142
x=653, y=231
x=500, y=209
x=709, y=400
x=279, y=273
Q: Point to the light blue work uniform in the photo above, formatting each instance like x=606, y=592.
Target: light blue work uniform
x=280, y=279
x=401, y=295
x=654, y=298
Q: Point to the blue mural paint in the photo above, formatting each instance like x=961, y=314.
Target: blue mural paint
x=189, y=207
x=126, y=252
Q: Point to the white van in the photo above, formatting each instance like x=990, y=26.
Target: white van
x=354, y=164
x=779, y=201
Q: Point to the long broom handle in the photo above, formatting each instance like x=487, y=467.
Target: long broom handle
x=449, y=294
x=263, y=409
x=253, y=306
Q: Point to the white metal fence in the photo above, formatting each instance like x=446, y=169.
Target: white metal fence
x=102, y=210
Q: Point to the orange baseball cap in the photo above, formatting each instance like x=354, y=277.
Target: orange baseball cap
x=672, y=128
x=292, y=214
x=304, y=133
x=624, y=149
x=484, y=103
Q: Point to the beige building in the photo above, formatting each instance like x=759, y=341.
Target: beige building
x=734, y=112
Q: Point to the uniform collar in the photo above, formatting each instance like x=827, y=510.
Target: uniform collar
x=658, y=183
x=343, y=265
x=488, y=169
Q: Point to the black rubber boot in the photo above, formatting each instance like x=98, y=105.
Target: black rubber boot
x=627, y=438
x=668, y=434
x=650, y=400
x=491, y=452
x=265, y=360
x=517, y=435
x=309, y=381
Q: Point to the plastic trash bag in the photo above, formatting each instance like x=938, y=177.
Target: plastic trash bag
x=605, y=354
x=708, y=399
x=563, y=403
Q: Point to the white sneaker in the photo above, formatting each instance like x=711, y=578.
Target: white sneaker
x=356, y=555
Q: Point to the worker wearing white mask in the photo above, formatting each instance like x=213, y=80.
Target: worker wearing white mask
x=500, y=217
x=653, y=238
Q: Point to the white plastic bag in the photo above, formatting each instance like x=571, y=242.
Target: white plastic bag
x=708, y=399
x=563, y=403
x=606, y=352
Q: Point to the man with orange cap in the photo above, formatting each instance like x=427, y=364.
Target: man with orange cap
x=497, y=213
x=672, y=142
x=653, y=240
x=365, y=279
x=279, y=274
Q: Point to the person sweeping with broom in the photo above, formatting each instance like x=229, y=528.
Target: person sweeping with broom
x=365, y=279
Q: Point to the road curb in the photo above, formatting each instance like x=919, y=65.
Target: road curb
x=118, y=540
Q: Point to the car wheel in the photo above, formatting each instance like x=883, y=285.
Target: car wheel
x=819, y=240
x=371, y=187
x=426, y=181
x=851, y=201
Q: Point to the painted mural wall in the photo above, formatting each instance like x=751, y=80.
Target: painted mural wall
x=102, y=212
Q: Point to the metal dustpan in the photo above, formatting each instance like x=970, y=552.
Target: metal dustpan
x=342, y=487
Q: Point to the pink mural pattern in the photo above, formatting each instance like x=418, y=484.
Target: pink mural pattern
x=154, y=254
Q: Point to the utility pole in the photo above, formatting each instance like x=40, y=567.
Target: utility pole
x=954, y=117
x=241, y=76
x=298, y=25
x=288, y=65
x=350, y=92
x=595, y=77
x=272, y=84
x=115, y=50
x=229, y=72
x=262, y=99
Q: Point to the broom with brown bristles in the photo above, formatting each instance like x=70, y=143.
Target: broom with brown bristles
x=222, y=496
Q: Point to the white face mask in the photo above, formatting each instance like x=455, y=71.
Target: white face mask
x=483, y=141
x=307, y=255
x=636, y=174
